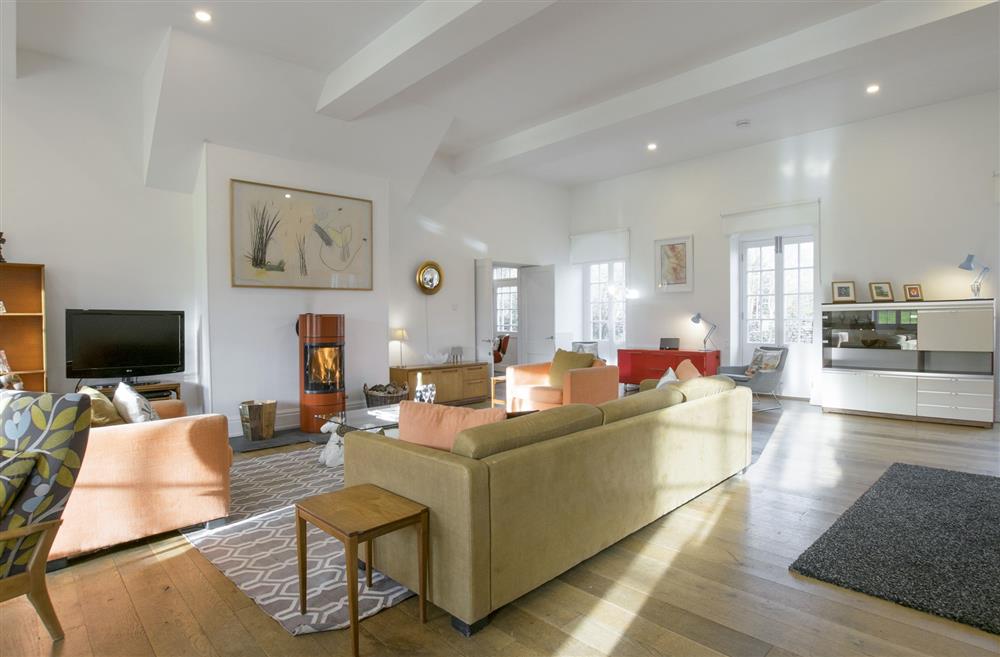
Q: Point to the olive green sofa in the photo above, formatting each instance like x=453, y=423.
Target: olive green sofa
x=516, y=503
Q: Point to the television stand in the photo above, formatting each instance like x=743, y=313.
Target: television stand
x=149, y=389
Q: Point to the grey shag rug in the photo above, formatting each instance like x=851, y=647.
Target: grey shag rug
x=922, y=537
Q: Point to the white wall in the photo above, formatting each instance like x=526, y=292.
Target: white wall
x=904, y=198
x=72, y=198
x=453, y=221
x=251, y=331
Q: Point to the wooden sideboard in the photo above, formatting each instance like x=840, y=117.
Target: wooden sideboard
x=634, y=365
x=457, y=383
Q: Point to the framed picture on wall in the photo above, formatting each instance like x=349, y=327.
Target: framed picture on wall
x=296, y=238
x=675, y=264
x=913, y=292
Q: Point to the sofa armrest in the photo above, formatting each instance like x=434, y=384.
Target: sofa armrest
x=149, y=477
x=456, y=490
x=648, y=384
x=590, y=385
x=169, y=408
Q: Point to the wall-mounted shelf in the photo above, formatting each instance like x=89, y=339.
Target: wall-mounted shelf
x=2, y=315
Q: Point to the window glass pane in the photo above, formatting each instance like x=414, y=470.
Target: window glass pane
x=791, y=308
x=754, y=334
x=767, y=257
x=753, y=258
x=806, y=254
x=791, y=281
x=806, y=307
x=767, y=331
x=767, y=282
x=791, y=253
x=806, y=280
x=753, y=283
x=767, y=307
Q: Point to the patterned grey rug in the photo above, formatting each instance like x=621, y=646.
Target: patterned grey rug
x=922, y=537
x=256, y=549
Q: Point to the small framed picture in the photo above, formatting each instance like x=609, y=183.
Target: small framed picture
x=843, y=292
x=880, y=292
x=913, y=292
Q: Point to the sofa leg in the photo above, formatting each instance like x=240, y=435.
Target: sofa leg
x=468, y=630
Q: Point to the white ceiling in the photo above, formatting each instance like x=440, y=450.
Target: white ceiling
x=124, y=34
x=569, y=58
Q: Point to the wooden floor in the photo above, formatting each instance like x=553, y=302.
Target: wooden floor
x=709, y=579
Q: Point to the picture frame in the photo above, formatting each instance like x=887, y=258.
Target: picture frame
x=913, y=292
x=284, y=237
x=844, y=292
x=881, y=292
x=674, y=264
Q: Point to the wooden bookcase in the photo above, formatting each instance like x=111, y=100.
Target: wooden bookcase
x=22, y=327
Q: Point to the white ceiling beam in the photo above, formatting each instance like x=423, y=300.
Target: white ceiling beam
x=429, y=37
x=8, y=40
x=811, y=44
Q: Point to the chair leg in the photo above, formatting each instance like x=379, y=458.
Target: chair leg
x=757, y=401
x=39, y=598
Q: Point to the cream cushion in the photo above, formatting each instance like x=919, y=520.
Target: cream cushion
x=132, y=406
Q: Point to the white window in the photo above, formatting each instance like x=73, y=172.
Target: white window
x=778, y=284
x=505, y=299
x=606, y=287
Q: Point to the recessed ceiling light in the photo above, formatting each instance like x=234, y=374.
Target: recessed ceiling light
x=203, y=16
x=743, y=123
x=651, y=146
x=288, y=196
x=872, y=89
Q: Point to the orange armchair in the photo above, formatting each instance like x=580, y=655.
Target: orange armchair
x=528, y=386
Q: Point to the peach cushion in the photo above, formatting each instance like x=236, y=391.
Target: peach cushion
x=687, y=371
x=437, y=425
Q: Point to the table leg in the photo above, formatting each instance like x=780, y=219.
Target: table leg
x=369, y=560
x=300, y=540
x=424, y=562
x=352, y=590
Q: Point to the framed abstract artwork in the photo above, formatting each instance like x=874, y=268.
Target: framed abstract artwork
x=913, y=292
x=675, y=264
x=296, y=238
x=880, y=292
x=843, y=292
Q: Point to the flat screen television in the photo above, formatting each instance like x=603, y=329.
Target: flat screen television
x=123, y=343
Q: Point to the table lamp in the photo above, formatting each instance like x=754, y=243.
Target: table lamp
x=698, y=319
x=970, y=264
x=399, y=335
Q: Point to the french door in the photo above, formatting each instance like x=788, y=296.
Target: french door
x=779, y=304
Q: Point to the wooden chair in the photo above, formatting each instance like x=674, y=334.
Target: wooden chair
x=56, y=429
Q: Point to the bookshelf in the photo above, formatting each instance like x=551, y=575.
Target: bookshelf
x=22, y=327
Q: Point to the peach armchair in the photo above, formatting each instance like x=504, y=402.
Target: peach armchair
x=528, y=386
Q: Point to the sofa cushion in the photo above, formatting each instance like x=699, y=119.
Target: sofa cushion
x=132, y=406
x=643, y=402
x=565, y=361
x=687, y=371
x=436, y=425
x=103, y=412
x=541, y=394
x=484, y=441
x=704, y=386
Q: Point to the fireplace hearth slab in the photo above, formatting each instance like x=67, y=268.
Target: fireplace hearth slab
x=281, y=438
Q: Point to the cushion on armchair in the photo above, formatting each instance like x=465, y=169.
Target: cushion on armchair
x=565, y=361
x=763, y=360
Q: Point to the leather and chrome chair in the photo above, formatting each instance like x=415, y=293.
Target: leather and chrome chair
x=766, y=382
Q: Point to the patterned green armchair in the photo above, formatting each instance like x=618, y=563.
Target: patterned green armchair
x=43, y=438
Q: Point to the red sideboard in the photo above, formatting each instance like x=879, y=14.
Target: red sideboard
x=634, y=365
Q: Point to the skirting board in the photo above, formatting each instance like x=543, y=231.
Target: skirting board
x=912, y=418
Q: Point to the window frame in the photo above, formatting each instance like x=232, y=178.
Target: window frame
x=621, y=302
x=503, y=284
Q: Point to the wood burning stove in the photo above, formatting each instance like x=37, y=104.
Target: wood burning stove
x=321, y=368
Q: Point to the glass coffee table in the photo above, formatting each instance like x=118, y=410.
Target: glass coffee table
x=363, y=419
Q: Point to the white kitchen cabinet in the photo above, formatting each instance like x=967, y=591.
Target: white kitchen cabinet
x=845, y=390
x=895, y=394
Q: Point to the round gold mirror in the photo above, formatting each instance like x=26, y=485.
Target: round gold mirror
x=430, y=277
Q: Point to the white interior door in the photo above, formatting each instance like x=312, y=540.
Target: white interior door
x=538, y=317
x=484, y=311
x=779, y=305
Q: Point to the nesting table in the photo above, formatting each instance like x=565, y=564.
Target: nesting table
x=356, y=515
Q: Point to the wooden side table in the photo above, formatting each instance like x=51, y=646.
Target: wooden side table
x=494, y=380
x=355, y=515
